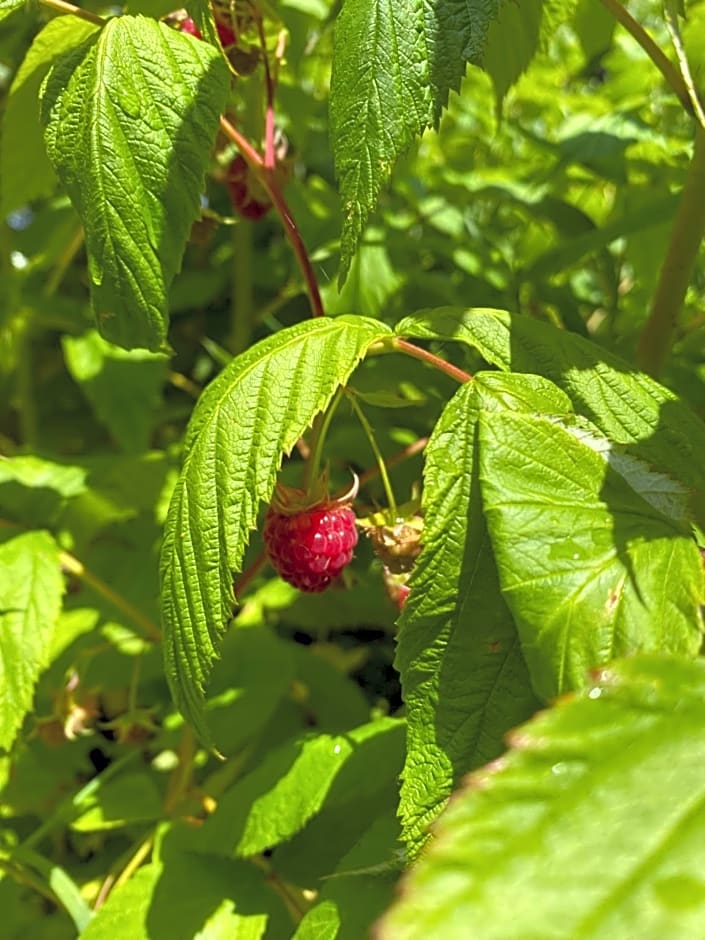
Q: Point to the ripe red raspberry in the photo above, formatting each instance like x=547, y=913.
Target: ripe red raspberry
x=311, y=547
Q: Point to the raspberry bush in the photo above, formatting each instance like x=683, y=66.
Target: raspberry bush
x=452, y=252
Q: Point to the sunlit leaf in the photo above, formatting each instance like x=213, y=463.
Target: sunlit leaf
x=246, y=420
x=129, y=118
x=591, y=827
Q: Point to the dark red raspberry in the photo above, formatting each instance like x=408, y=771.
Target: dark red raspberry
x=311, y=547
x=225, y=34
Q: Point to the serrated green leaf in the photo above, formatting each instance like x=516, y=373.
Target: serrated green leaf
x=589, y=568
x=123, y=386
x=464, y=679
x=393, y=67
x=592, y=827
x=25, y=171
x=628, y=407
x=31, y=589
x=129, y=121
x=291, y=785
x=251, y=415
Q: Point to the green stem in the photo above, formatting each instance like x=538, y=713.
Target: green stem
x=320, y=430
x=688, y=230
x=415, y=448
x=404, y=346
x=670, y=73
x=670, y=13
x=64, y=262
x=63, y=7
x=384, y=475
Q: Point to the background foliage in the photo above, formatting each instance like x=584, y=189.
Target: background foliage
x=158, y=362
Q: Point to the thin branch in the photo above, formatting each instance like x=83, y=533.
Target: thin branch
x=271, y=185
x=417, y=352
x=395, y=459
x=249, y=574
x=688, y=230
x=670, y=73
x=73, y=566
x=381, y=465
x=269, y=156
x=671, y=17
x=63, y=7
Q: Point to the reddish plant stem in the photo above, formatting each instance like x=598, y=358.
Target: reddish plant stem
x=417, y=352
x=249, y=575
x=271, y=185
x=269, y=158
x=395, y=459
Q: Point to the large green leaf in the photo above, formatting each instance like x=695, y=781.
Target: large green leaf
x=190, y=895
x=294, y=782
x=251, y=415
x=31, y=588
x=393, y=67
x=628, y=407
x=25, y=171
x=123, y=386
x=363, y=793
x=593, y=827
x=130, y=118
x=593, y=548
x=464, y=678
